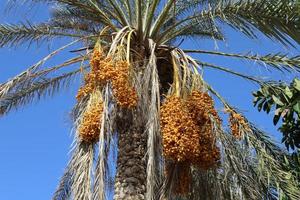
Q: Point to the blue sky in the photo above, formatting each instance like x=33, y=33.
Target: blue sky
x=36, y=139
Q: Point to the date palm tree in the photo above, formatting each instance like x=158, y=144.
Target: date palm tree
x=137, y=80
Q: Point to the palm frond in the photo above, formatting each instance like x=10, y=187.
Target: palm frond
x=192, y=28
x=37, y=90
x=63, y=190
x=26, y=77
x=63, y=12
x=138, y=8
x=154, y=148
x=150, y=15
x=105, y=140
x=278, y=61
x=277, y=19
x=129, y=10
x=186, y=11
x=77, y=176
x=271, y=164
x=74, y=26
x=12, y=34
x=161, y=18
x=119, y=12
x=210, y=185
x=184, y=20
x=268, y=166
x=244, y=76
x=200, y=29
x=81, y=183
x=89, y=7
x=240, y=170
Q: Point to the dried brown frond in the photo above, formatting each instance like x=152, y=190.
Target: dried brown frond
x=183, y=178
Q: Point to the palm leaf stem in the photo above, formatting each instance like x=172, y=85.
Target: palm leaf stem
x=277, y=61
x=252, y=79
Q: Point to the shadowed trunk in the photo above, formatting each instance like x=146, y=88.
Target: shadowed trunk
x=130, y=183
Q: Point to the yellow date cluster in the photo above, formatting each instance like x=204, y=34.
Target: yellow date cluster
x=103, y=70
x=238, y=124
x=201, y=107
x=187, y=130
x=89, y=128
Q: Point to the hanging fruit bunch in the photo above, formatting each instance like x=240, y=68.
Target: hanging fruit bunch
x=201, y=108
x=125, y=95
x=103, y=70
x=237, y=123
x=188, y=123
x=188, y=136
x=187, y=130
x=98, y=63
x=89, y=127
x=179, y=131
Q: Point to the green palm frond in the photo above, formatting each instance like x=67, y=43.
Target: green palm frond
x=150, y=15
x=11, y=34
x=75, y=27
x=193, y=28
x=277, y=19
x=202, y=29
x=161, y=19
x=268, y=167
x=278, y=61
x=64, y=11
x=61, y=14
x=32, y=73
x=182, y=19
x=139, y=10
x=271, y=163
x=230, y=71
x=37, y=90
x=119, y=11
x=100, y=9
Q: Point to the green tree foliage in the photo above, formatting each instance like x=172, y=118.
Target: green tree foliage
x=285, y=100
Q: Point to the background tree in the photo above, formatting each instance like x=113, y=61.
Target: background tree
x=131, y=63
x=286, y=101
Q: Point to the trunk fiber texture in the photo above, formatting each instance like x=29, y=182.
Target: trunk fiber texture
x=130, y=183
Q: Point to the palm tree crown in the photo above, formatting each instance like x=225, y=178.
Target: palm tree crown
x=148, y=94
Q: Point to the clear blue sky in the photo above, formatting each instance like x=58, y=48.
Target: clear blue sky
x=35, y=140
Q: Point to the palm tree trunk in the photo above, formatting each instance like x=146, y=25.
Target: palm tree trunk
x=130, y=182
